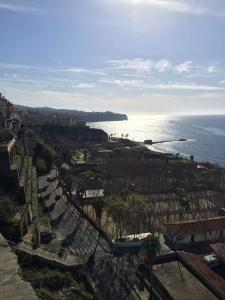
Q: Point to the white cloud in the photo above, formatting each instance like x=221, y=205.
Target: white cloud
x=140, y=65
x=124, y=83
x=211, y=69
x=162, y=65
x=17, y=6
x=13, y=66
x=84, y=85
x=140, y=84
x=183, y=67
x=181, y=6
x=84, y=71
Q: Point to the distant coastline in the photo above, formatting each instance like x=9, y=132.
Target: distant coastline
x=82, y=116
x=204, y=135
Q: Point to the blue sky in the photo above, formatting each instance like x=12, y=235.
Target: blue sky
x=157, y=56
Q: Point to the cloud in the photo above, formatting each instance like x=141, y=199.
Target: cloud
x=11, y=66
x=124, y=83
x=14, y=66
x=17, y=6
x=162, y=65
x=84, y=71
x=211, y=69
x=182, y=6
x=84, y=85
x=140, y=84
x=140, y=65
x=183, y=67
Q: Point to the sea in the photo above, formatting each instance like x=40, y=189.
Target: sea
x=205, y=134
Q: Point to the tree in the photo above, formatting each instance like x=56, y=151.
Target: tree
x=43, y=157
x=117, y=209
x=98, y=208
x=151, y=246
x=41, y=165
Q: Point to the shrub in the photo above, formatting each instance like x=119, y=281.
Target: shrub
x=52, y=279
x=43, y=157
x=41, y=165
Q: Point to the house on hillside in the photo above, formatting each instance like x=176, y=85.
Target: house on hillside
x=6, y=109
x=180, y=234
x=8, y=119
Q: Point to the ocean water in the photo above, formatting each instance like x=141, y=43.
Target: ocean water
x=205, y=134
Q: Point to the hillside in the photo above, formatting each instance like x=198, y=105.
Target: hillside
x=80, y=115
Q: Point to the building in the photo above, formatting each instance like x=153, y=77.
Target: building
x=6, y=109
x=8, y=119
x=180, y=234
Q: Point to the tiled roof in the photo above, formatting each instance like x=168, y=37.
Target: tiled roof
x=196, y=226
x=50, y=201
x=52, y=198
x=209, y=277
x=42, y=183
x=59, y=208
x=52, y=187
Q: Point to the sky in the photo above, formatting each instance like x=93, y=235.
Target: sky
x=155, y=56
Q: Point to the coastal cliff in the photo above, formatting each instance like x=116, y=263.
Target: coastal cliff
x=81, y=116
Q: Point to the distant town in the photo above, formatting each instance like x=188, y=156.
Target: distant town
x=86, y=215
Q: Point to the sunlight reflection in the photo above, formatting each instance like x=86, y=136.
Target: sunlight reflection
x=139, y=127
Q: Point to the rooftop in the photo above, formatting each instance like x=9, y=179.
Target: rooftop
x=189, y=288
x=196, y=226
x=208, y=276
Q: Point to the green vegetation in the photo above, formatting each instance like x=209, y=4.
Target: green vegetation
x=76, y=294
x=43, y=157
x=19, y=148
x=56, y=284
x=126, y=211
x=7, y=209
x=49, y=278
x=87, y=174
x=81, y=156
x=45, y=294
x=41, y=165
x=45, y=220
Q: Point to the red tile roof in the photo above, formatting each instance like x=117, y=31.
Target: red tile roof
x=202, y=271
x=196, y=226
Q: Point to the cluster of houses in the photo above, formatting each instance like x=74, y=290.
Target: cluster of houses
x=8, y=118
x=181, y=234
x=6, y=109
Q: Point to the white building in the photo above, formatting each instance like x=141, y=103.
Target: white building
x=180, y=234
